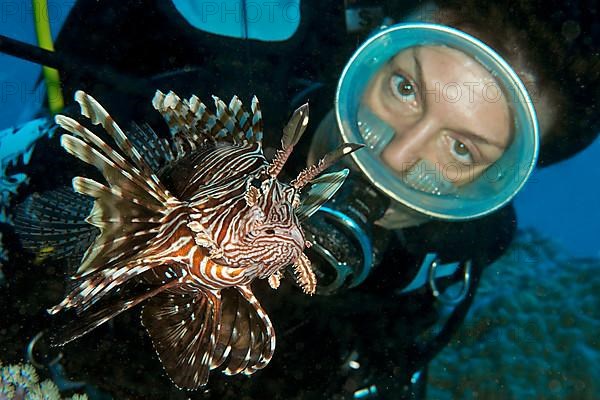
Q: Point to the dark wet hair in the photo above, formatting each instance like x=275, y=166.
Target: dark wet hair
x=557, y=41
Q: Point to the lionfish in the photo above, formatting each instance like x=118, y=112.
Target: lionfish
x=186, y=225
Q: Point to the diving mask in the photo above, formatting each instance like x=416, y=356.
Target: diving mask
x=495, y=187
x=421, y=192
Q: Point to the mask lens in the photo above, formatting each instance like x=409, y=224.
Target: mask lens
x=476, y=166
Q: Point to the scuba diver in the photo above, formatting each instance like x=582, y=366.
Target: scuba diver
x=454, y=111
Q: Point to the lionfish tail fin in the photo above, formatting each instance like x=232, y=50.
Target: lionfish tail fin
x=52, y=225
x=291, y=135
x=191, y=122
x=194, y=332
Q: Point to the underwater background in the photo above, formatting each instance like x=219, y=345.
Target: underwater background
x=533, y=329
x=570, y=216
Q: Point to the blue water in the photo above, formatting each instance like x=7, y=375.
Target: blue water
x=563, y=202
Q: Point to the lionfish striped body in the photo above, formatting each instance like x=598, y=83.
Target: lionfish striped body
x=186, y=226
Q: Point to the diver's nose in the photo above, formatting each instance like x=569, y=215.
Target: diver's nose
x=409, y=145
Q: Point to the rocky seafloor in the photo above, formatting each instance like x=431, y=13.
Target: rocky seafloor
x=532, y=332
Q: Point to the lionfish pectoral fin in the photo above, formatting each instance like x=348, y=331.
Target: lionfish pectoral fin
x=251, y=338
x=195, y=331
x=128, y=209
x=246, y=338
x=88, y=290
x=183, y=326
x=305, y=276
x=103, y=311
x=321, y=190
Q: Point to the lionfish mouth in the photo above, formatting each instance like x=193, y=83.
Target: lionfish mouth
x=283, y=263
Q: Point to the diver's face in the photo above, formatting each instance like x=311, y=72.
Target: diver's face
x=444, y=107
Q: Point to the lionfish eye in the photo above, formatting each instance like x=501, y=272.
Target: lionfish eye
x=257, y=183
x=270, y=231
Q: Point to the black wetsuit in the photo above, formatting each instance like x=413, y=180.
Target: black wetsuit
x=389, y=335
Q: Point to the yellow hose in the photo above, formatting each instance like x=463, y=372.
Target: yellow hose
x=44, y=37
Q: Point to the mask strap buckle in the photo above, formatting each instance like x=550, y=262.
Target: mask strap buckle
x=441, y=296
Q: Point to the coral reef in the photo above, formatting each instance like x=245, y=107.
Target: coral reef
x=21, y=382
x=532, y=331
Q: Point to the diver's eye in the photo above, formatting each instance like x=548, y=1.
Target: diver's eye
x=257, y=183
x=402, y=88
x=460, y=151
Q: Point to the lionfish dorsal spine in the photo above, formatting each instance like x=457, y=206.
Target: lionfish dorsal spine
x=192, y=120
x=157, y=151
x=89, y=148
